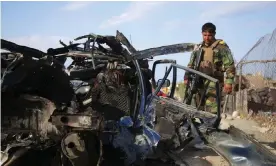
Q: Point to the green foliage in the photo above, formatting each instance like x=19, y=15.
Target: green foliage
x=268, y=78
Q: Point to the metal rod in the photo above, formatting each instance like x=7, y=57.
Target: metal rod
x=196, y=72
x=92, y=53
x=137, y=123
x=225, y=103
x=218, y=103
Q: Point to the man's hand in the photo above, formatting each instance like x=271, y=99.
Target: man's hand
x=185, y=81
x=228, y=88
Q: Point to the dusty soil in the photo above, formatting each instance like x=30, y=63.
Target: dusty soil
x=204, y=158
x=266, y=120
x=261, y=133
x=255, y=126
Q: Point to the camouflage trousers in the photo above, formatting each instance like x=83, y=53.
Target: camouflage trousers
x=209, y=103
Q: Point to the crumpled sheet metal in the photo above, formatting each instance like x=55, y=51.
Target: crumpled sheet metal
x=135, y=146
x=177, y=110
x=239, y=150
x=164, y=50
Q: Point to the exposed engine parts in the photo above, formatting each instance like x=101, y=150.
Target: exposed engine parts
x=91, y=95
x=76, y=121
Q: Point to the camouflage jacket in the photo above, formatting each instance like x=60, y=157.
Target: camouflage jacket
x=223, y=60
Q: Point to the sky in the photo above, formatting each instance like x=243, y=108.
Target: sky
x=150, y=24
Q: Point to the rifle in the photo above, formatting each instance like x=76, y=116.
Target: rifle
x=194, y=80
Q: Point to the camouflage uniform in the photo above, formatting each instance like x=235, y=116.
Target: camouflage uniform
x=221, y=61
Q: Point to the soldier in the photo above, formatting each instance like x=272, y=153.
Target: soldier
x=217, y=60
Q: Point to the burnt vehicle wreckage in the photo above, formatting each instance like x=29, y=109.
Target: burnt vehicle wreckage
x=100, y=109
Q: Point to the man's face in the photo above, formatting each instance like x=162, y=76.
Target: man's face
x=208, y=37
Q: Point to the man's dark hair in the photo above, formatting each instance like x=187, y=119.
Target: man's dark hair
x=209, y=27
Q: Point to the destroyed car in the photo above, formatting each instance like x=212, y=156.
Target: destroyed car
x=114, y=118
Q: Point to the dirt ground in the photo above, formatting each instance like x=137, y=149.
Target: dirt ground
x=253, y=127
x=204, y=158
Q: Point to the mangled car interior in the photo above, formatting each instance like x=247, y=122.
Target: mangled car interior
x=99, y=108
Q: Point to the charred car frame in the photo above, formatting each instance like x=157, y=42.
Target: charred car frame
x=116, y=119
